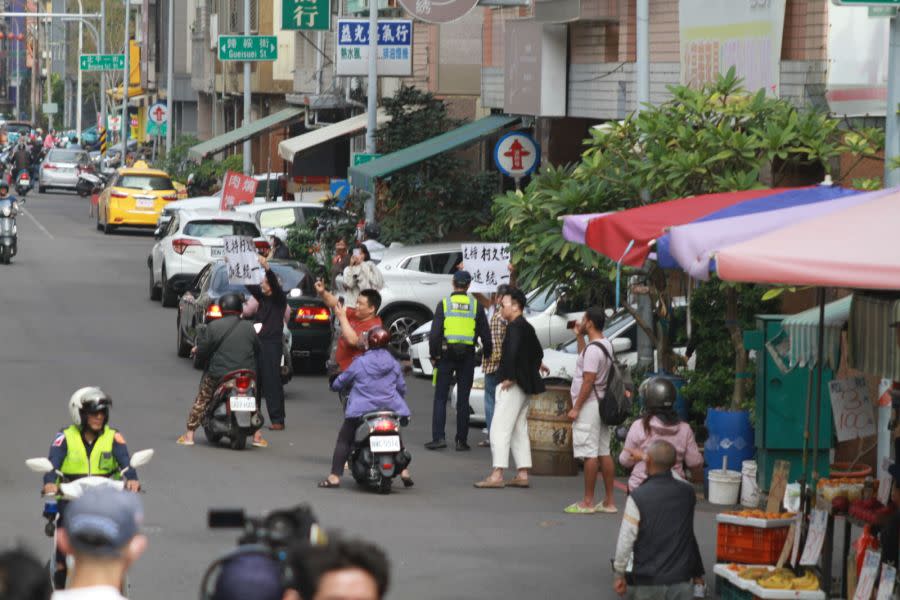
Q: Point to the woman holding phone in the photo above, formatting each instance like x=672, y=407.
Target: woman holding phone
x=360, y=274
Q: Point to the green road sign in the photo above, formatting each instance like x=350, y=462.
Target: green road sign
x=102, y=62
x=306, y=15
x=882, y=11
x=361, y=158
x=248, y=47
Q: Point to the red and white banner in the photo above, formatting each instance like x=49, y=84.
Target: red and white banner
x=237, y=189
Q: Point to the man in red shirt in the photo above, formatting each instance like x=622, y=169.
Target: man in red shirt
x=354, y=322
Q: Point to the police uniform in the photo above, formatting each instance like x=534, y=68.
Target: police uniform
x=75, y=458
x=458, y=321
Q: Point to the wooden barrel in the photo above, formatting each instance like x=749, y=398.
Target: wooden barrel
x=550, y=432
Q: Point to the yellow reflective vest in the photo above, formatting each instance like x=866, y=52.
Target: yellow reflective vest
x=459, y=319
x=101, y=462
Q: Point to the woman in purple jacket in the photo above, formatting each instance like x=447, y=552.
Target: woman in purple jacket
x=376, y=383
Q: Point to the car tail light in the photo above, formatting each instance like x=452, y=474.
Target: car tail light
x=306, y=314
x=384, y=425
x=181, y=244
x=50, y=166
x=118, y=194
x=242, y=382
x=170, y=197
x=213, y=312
x=262, y=246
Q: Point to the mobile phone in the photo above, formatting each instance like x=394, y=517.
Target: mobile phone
x=571, y=324
x=357, y=252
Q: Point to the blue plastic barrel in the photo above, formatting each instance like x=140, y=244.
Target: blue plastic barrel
x=731, y=435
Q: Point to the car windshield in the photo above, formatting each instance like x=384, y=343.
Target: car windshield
x=538, y=302
x=18, y=128
x=145, y=182
x=66, y=156
x=217, y=228
x=289, y=276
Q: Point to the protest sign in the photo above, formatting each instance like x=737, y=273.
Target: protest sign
x=237, y=189
x=853, y=414
x=866, y=584
x=886, y=584
x=815, y=538
x=242, y=259
x=488, y=264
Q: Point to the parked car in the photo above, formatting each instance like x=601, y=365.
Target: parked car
x=269, y=215
x=60, y=168
x=190, y=241
x=135, y=197
x=310, y=323
x=546, y=312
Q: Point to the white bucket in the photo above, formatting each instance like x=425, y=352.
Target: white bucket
x=724, y=486
x=749, y=488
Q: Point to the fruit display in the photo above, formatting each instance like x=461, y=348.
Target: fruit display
x=759, y=514
x=777, y=579
x=829, y=489
x=871, y=511
x=766, y=582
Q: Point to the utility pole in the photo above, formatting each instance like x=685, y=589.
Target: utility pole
x=35, y=65
x=248, y=168
x=102, y=50
x=892, y=126
x=126, y=122
x=170, y=76
x=78, y=97
x=372, y=105
x=643, y=53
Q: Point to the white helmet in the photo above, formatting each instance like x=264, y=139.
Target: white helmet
x=88, y=399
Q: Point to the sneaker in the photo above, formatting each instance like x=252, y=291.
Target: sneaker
x=436, y=445
x=462, y=446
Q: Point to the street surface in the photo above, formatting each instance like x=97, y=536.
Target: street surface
x=76, y=312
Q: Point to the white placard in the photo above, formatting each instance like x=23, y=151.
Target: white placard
x=488, y=264
x=395, y=53
x=853, y=414
x=815, y=538
x=242, y=259
x=886, y=584
x=867, y=575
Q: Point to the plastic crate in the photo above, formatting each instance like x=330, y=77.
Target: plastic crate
x=725, y=590
x=751, y=545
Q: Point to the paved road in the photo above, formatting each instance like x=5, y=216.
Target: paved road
x=76, y=312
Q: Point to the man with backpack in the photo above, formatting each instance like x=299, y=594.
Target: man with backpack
x=590, y=435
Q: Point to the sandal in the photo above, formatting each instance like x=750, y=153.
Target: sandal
x=602, y=508
x=326, y=484
x=183, y=441
x=517, y=482
x=260, y=444
x=489, y=484
x=576, y=509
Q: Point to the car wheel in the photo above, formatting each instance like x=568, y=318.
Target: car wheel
x=155, y=292
x=167, y=295
x=107, y=228
x=182, y=347
x=401, y=324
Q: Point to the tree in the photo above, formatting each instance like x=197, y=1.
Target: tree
x=424, y=201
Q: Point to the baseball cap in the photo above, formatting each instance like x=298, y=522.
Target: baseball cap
x=103, y=521
x=462, y=278
x=249, y=575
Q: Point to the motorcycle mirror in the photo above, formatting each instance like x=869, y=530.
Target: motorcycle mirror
x=70, y=491
x=141, y=457
x=39, y=465
x=190, y=179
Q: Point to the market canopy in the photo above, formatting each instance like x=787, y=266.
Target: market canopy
x=291, y=147
x=364, y=175
x=242, y=134
x=575, y=226
x=691, y=247
x=611, y=235
x=855, y=247
x=803, y=332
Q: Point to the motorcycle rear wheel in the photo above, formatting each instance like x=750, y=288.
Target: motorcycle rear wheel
x=239, y=442
x=211, y=436
x=384, y=486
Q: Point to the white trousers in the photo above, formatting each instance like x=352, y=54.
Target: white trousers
x=509, y=429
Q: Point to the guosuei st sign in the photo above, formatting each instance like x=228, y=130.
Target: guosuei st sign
x=438, y=11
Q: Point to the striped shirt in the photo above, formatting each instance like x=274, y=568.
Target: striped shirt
x=490, y=364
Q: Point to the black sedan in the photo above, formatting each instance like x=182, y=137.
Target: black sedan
x=309, y=323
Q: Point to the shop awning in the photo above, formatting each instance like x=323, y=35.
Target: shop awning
x=241, y=134
x=851, y=248
x=364, y=175
x=289, y=148
x=872, y=342
x=803, y=330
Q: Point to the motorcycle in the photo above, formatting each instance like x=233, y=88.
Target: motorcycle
x=233, y=412
x=89, y=183
x=9, y=232
x=377, y=454
x=23, y=183
x=69, y=490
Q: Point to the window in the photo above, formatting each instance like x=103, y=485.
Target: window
x=147, y=183
x=289, y=276
x=438, y=264
x=310, y=213
x=216, y=229
x=67, y=156
x=236, y=16
x=538, y=303
x=277, y=217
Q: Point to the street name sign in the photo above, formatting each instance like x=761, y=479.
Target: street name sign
x=395, y=38
x=361, y=158
x=248, y=48
x=50, y=108
x=306, y=15
x=883, y=11
x=517, y=154
x=102, y=62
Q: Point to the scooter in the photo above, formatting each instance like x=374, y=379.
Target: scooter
x=23, y=183
x=377, y=454
x=89, y=183
x=9, y=233
x=69, y=490
x=233, y=412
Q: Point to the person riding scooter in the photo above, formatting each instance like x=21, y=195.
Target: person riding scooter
x=89, y=446
x=225, y=345
x=377, y=383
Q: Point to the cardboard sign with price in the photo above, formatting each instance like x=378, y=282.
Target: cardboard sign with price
x=853, y=414
x=237, y=189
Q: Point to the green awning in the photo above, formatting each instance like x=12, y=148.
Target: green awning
x=242, y=134
x=364, y=175
x=803, y=329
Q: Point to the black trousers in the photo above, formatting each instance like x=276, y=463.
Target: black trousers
x=463, y=366
x=342, y=445
x=269, y=374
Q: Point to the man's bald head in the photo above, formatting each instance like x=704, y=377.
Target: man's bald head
x=660, y=457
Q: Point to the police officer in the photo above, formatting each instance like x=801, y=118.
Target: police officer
x=458, y=320
x=89, y=446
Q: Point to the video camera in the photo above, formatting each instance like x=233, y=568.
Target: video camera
x=276, y=530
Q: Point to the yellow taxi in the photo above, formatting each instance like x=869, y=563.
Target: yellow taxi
x=134, y=198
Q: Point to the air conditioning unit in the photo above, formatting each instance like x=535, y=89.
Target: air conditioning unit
x=213, y=31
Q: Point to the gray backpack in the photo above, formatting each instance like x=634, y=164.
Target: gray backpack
x=616, y=405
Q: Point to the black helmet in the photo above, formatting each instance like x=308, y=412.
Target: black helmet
x=659, y=394
x=231, y=303
x=372, y=231
x=4, y=186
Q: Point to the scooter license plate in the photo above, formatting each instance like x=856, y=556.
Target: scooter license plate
x=384, y=443
x=243, y=403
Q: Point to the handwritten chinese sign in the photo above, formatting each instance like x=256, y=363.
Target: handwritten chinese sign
x=237, y=189
x=395, y=37
x=866, y=584
x=488, y=264
x=852, y=409
x=242, y=259
x=886, y=584
x=306, y=15
x=815, y=538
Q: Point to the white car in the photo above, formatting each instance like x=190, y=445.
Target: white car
x=270, y=215
x=190, y=240
x=544, y=312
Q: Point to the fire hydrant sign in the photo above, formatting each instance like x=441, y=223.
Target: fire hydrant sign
x=853, y=414
x=517, y=154
x=488, y=264
x=242, y=260
x=395, y=37
x=237, y=189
